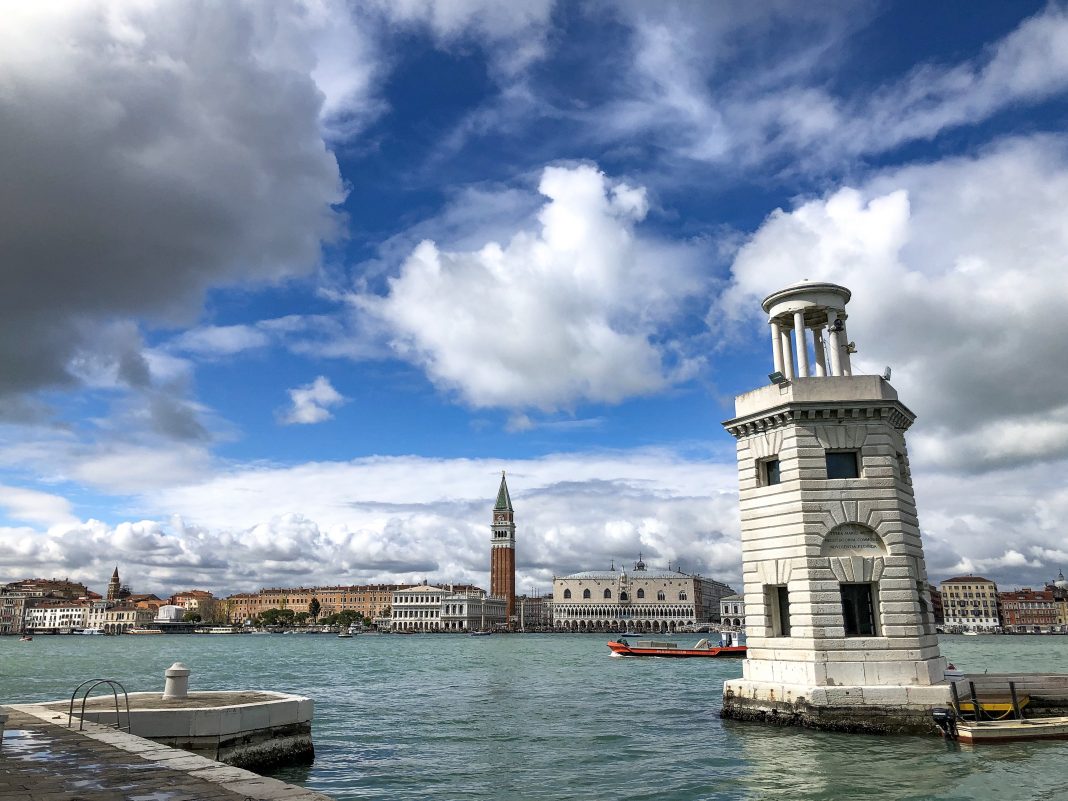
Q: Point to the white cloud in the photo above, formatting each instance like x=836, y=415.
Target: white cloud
x=220, y=340
x=34, y=506
x=748, y=85
x=312, y=402
x=958, y=279
x=401, y=519
x=568, y=312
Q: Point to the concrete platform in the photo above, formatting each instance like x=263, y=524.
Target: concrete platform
x=42, y=760
x=247, y=729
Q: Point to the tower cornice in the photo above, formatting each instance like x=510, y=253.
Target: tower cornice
x=799, y=412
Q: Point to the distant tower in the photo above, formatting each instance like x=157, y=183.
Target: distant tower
x=838, y=618
x=502, y=549
x=113, y=586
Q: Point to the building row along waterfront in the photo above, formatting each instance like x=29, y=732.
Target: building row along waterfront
x=973, y=603
x=61, y=606
x=653, y=600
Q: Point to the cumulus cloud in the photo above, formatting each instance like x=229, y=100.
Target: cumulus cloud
x=958, y=280
x=574, y=310
x=312, y=402
x=401, y=519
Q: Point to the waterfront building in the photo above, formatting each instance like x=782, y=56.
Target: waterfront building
x=535, y=612
x=426, y=607
x=642, y=600
x=1028, y=611
x=55, y=616
x=169, y=613
x=839, y=627
x=17, y=596
x=502, y=549
x=368, y=600
x=12, y=607
x=732, y=610
x=122, y=617
x=970, y=603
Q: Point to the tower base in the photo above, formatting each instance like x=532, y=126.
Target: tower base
x=858, y=709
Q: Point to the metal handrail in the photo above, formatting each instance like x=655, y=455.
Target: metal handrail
x=112, y=685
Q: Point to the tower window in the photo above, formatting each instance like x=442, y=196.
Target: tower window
x=843, y=464
x=777, y=605
x=858, y=610
x=769, y=472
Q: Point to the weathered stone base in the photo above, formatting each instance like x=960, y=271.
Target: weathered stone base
x=259, y=750
x=867, y=710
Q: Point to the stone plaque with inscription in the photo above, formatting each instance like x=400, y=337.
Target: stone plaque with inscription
x=852, y=539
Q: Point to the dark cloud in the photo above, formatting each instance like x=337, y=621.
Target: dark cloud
x=150, y=152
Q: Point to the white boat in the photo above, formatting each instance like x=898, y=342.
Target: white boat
x=970, y=633
x=344, y=635
x=92, y=632
x=143, y=631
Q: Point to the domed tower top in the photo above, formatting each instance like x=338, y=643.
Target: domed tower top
x=813, y=306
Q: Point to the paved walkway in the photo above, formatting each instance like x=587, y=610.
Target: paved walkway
x=42, y=760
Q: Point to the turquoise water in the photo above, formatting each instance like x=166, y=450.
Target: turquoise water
x=550, y=717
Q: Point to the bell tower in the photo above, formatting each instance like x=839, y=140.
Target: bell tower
x=839, y=625
x=113, y=586
x=502, y=549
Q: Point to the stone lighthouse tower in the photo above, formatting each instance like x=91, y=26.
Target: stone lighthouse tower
x=838, y=617
x=502, y=549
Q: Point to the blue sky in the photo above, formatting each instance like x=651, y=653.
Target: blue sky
x=289, y=285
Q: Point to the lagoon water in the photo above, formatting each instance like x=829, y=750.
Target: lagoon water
x=551, y=717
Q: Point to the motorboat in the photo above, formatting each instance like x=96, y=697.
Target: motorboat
x=482, y=633
x=25, y=638
x=703, y=648
x=143, y=631
x=1007, y=731
x=970, y=633
x=344, y=635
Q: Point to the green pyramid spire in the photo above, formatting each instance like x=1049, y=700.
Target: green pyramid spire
x=504, y=500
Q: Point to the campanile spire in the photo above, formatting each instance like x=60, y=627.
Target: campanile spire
x=502, y=549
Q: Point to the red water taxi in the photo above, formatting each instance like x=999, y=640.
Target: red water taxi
x=655, y=648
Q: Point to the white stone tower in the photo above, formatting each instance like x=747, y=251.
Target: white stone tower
x=838, y=617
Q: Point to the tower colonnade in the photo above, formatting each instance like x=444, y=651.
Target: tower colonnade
x=818, y=314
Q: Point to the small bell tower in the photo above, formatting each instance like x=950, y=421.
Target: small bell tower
x=839, y=624
x=113, y=586
x=502, y=549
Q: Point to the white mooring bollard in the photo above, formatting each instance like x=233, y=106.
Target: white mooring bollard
x=177, y=681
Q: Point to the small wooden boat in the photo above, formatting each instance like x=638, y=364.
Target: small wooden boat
x=1007, y=731
x=671, y=649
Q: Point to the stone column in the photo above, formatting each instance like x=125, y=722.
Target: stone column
x=843, y=341
x=787, y=355
x=776, y=346
x=821, y=355
x=801, y=343
x=832, y=344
